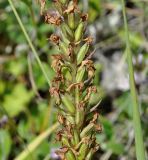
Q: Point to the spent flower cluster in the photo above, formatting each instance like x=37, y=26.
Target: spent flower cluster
x=73, y=86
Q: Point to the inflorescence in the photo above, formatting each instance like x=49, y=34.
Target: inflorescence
x=72, y=85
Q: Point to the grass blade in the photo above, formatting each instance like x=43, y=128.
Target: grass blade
x=35, y=143
x=29, y=41
x=140, y=151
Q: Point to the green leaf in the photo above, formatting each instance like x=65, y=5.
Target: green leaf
x=17, y=100
x=27, y=2
x=5, y=144
x=107, y=126
x=94, y=10
x=124, y=102
x=95, y=4
x=2, y=87
x=115, y=147
x=136, y=39
x=39, y=77
x=17, y=67
x=23, y=128
x=96, y=97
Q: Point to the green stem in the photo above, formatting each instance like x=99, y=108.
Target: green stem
x=35, y=143
x=140, y=151
x=29, y=41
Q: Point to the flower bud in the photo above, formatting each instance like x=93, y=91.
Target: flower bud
x=87, y=130
x=70, y=119
x=69, y=155
x=82, y=151
x=76, y=137
x=79, y=32
x=63, y=47
x=80, y=74
x=82, y=53
x=68, y=103
x=71, y=20
x=66, y=73
x=77, y=19
x=79, y=119
x=65, y=40
x=89, y=155
x=65, y=141
x=65, y=28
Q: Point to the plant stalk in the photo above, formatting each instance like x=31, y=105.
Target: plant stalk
x=73, y=83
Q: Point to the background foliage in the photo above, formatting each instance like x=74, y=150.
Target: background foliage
x=26, y=108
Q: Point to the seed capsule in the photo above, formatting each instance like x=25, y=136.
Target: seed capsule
x=79, y=117
x=80, y=74
x=67, y=30
x=89, y=116
x=76, y=137
x=87, y=130
x=79, y=32
x=69, y=155
x=70, y=119
x=82, y=53
x=65, y=141
x=77, y=19
x=68, y=104
x=63, y=47
x=83, y=151
x=89, y=155
x=71, y=20
x=66, y=73
x=65, y=40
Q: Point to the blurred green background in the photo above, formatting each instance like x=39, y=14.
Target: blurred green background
x=26, y=108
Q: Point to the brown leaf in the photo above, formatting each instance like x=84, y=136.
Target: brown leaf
x=61, y=119
x=98, y=128
x=74, y=85
x=84, y=17
x=95, y=117
x=89, y=40
x=53, y=19
x=54, y=38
